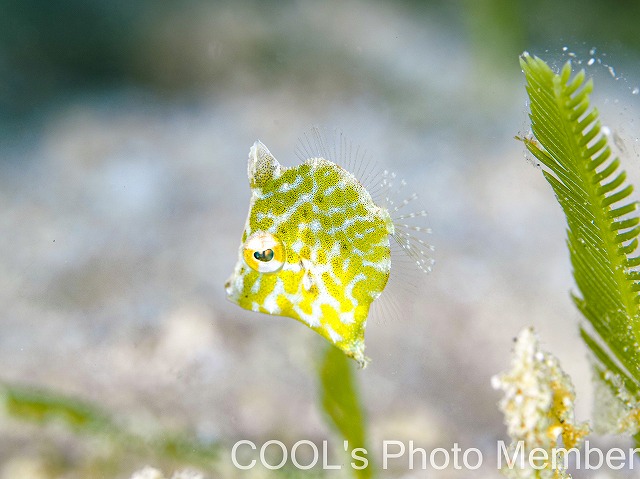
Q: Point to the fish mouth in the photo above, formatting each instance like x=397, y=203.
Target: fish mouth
x=228, y=287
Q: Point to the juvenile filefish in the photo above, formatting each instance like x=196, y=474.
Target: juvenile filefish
x=316, y=247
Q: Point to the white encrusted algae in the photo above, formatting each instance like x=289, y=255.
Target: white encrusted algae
x=152, y=473
x=148, y=473
x=617, y=410
x=538, y=405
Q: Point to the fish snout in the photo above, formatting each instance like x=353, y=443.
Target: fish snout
x=230, y=290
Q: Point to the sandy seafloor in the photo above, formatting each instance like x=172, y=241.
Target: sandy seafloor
x=122, y=212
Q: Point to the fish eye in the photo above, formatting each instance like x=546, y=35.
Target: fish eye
x=266, y=255
x=264, y=252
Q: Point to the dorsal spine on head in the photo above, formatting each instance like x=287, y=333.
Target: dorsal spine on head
x=262, y=167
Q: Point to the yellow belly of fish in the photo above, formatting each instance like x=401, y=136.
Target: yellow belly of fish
x=334, y=305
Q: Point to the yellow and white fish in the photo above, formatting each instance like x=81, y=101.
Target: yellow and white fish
x=316, y=247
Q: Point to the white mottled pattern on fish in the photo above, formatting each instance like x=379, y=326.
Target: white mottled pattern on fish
x=315, y=248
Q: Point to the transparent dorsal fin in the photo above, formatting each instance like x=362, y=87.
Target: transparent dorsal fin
x=411, y=253
x=408, y=217
x=336, y=147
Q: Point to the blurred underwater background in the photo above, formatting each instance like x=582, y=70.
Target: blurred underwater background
x=124, y=133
